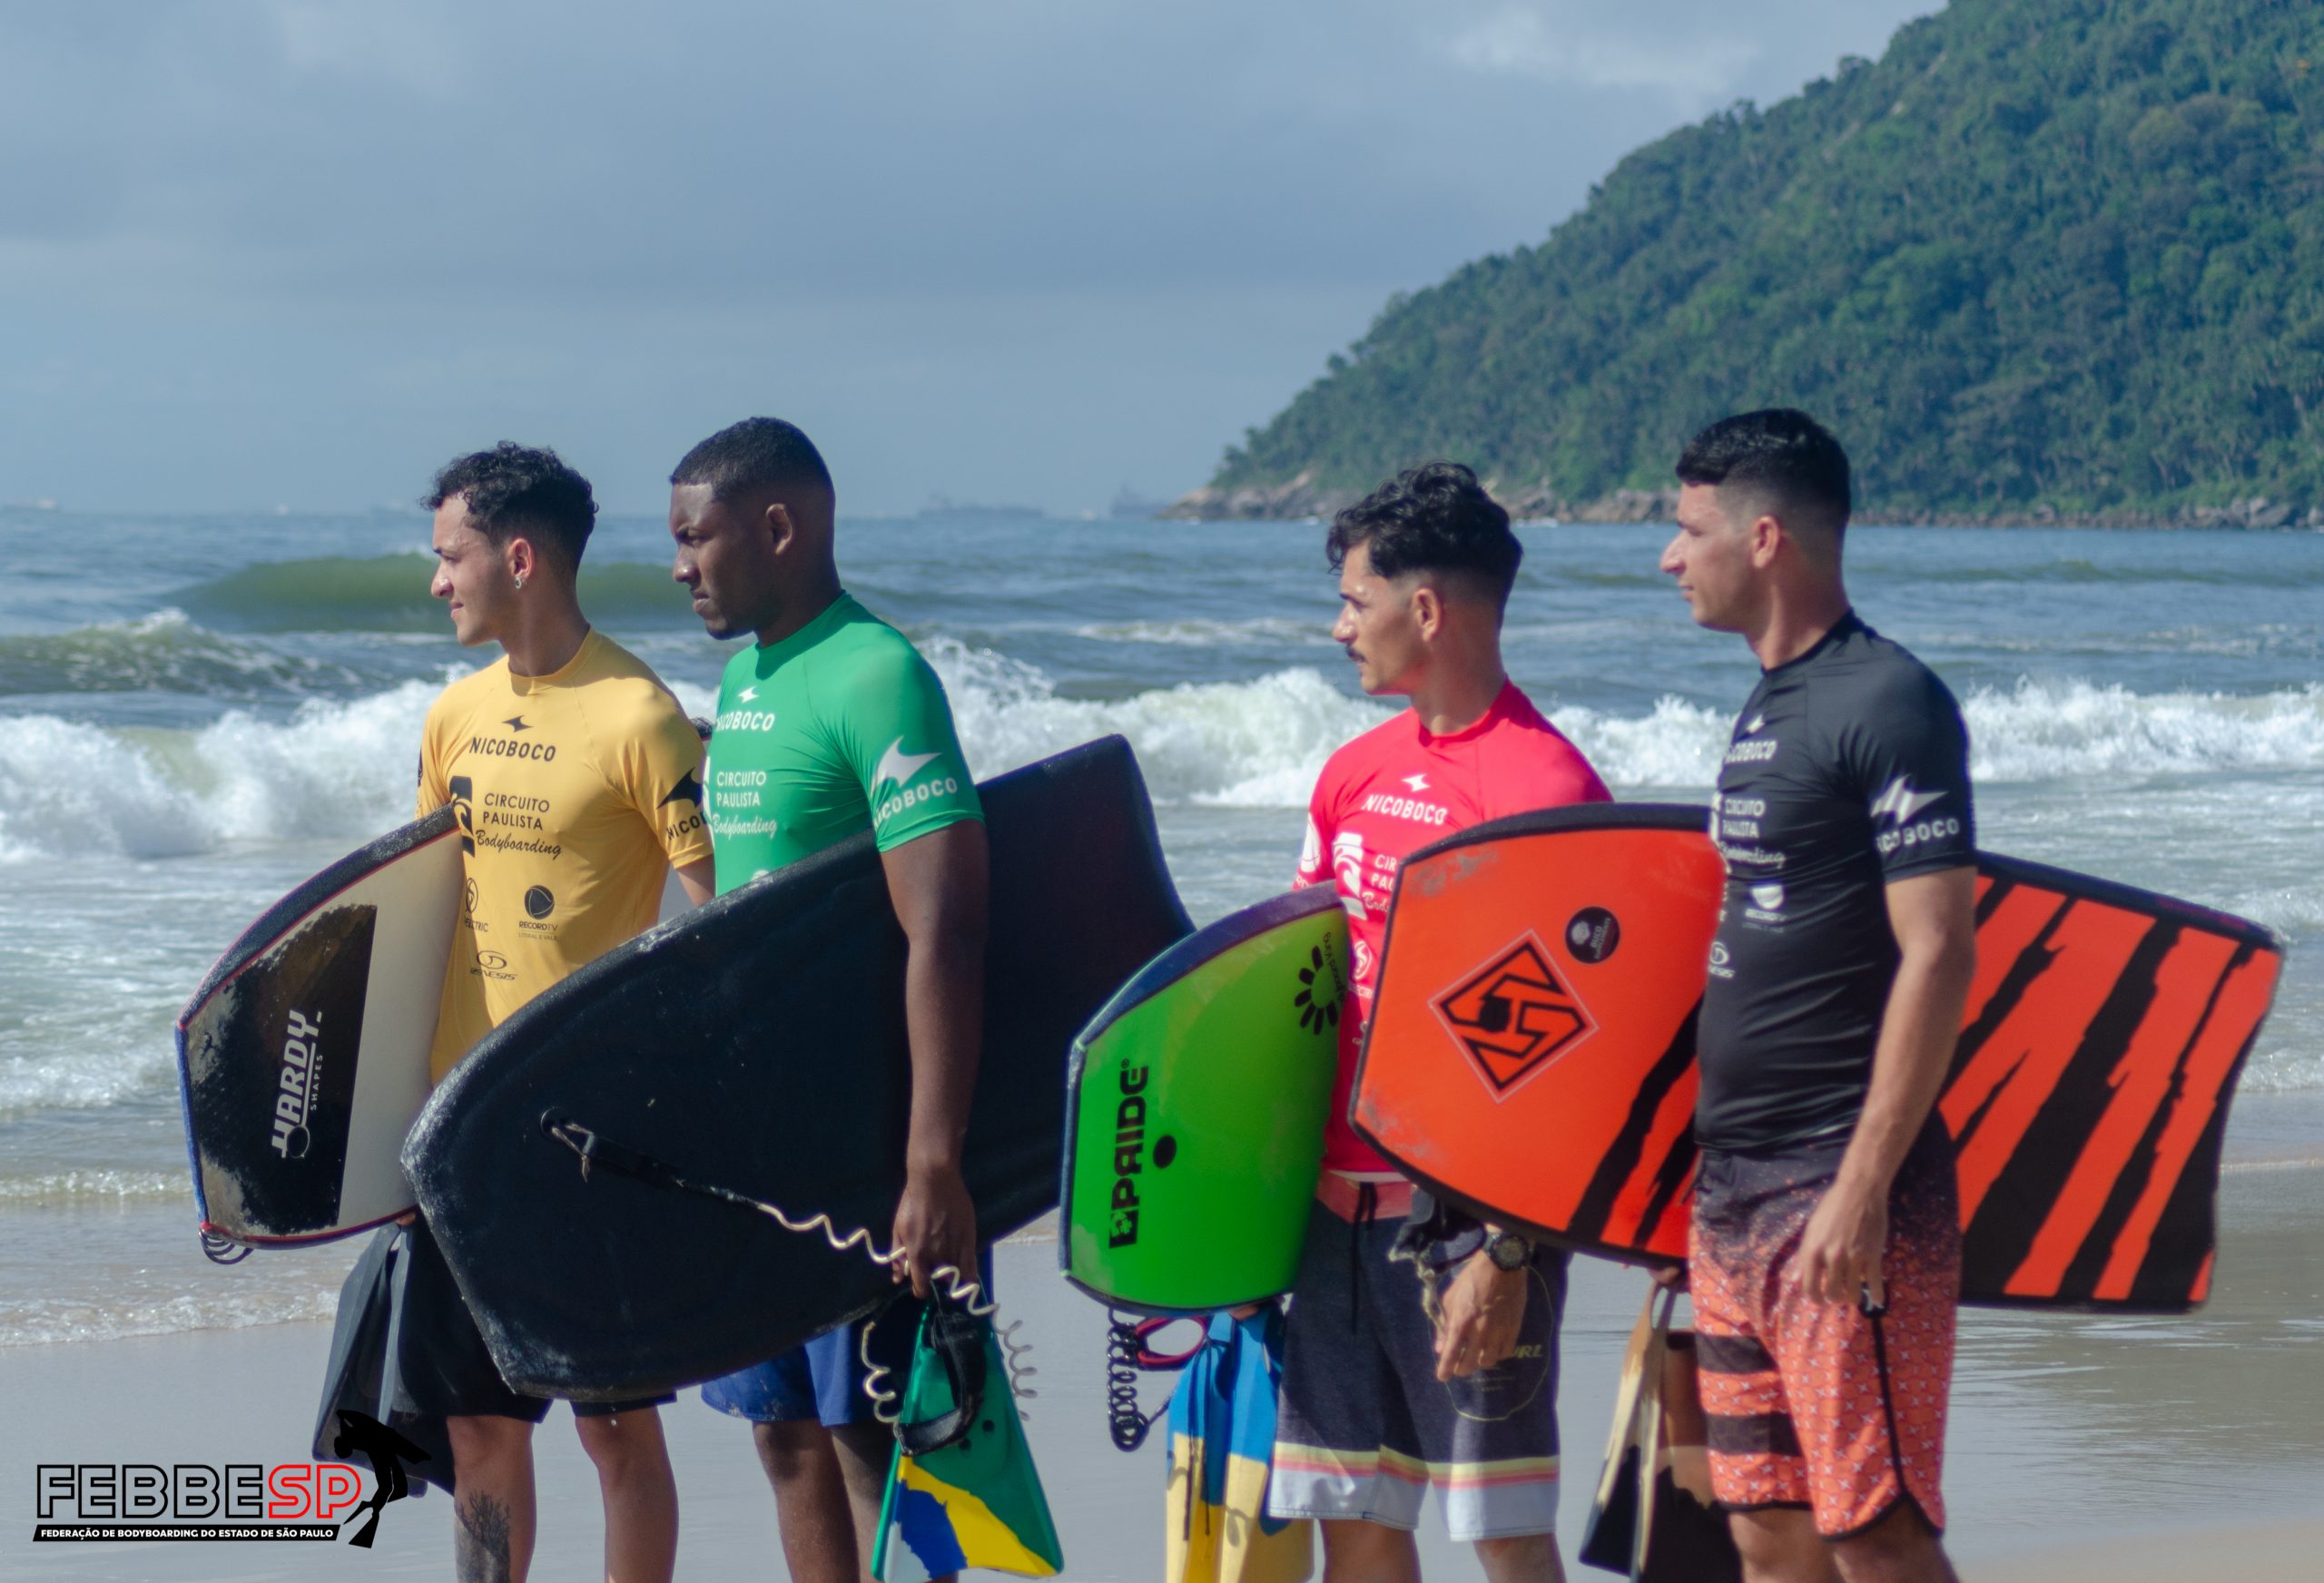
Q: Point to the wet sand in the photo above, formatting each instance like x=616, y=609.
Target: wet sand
x=2184, y=1449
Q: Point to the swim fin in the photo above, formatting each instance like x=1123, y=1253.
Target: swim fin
x=966, y=1494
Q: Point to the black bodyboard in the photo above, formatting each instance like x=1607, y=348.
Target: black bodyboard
x=758, y=1043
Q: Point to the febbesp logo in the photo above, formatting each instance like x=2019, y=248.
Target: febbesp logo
x=315, y=1502
x=1514, y=1015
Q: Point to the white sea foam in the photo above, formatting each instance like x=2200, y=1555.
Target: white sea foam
x=344, y=770
x=93, y=1186
x=2037, y=731
x=1257, y=744
x=1198, y=633
x=42, y=1322
x=2042, y=731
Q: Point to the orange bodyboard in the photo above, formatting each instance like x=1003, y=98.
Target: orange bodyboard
x=1532, y=1053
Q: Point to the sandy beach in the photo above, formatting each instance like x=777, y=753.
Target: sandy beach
x=2184, y=1449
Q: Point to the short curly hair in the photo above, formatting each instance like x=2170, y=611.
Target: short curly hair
x=512, y=488
x=758, y=453
x=1431, y=518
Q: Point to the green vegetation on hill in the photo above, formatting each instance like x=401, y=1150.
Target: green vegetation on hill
x=2064, y=255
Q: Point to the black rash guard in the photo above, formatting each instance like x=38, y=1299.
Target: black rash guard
x=1848, y=769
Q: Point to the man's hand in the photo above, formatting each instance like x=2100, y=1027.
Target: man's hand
x=1481, y=1314
x=1839, y=1254
x=936, y=1225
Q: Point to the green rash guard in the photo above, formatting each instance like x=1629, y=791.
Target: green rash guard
x=840, y=727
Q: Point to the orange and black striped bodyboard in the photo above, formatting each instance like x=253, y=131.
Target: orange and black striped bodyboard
x=1530, y=1053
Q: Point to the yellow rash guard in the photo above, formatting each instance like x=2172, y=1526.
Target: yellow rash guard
x=576, y=792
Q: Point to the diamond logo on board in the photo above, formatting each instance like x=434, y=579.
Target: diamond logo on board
x=1514, y=1015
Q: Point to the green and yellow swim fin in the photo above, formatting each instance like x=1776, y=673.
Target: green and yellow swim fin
x=962, y=1490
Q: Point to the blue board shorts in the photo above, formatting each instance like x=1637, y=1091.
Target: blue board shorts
x=821, y=1381
x=1364, y=1427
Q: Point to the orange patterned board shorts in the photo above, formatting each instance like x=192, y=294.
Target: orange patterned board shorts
x=1821, y=1404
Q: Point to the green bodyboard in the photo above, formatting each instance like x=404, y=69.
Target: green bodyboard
x=976, y=1502
x=1195, y=1111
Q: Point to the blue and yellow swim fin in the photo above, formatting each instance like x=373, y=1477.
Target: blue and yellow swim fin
x=1222, y=1454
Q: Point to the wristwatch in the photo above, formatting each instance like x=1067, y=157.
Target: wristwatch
x=1508, y=1251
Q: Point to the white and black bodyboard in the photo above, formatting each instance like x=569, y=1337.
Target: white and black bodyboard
x=302, y=1059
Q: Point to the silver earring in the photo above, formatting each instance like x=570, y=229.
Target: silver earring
x=520, y=582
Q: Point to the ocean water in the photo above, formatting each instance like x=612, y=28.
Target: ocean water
x=195, y=714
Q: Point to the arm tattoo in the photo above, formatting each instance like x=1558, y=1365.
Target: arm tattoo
x=481, y=1546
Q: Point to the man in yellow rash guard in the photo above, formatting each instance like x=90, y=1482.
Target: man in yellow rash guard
x=577, y=782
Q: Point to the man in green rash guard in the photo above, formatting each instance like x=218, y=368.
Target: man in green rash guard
x=832, y=723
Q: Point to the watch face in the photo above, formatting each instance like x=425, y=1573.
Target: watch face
x=1507, y=1251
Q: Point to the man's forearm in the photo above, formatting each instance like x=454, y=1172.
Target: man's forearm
x=944, y=1018
x=1918, y=1031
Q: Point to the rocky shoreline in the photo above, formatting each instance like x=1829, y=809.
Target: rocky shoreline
x=1302, y=499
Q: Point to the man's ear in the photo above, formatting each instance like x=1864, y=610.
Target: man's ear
x=521, y=558
x=781, y=530
x=1428, y=611
x=1767, y=535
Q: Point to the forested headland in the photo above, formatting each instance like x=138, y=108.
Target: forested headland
x=2043, y=261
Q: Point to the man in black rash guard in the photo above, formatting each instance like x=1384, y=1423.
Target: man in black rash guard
x=1825, y=1254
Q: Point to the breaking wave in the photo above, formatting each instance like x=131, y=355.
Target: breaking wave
x=390, y=594
x=2037, y=731
x=163, y=653
x=344, y=770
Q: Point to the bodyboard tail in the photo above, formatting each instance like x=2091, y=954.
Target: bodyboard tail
x=1532, y=1053
x=977, y=1501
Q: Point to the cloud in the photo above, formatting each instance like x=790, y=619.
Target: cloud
x=1591, y=50
x=1032, y=249
x=412, y=44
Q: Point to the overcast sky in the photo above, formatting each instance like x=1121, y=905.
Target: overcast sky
x=299, y=251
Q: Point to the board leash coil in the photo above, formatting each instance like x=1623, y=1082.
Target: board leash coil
x=223, y=1250
x=946, y=1280
x=1127, y=1356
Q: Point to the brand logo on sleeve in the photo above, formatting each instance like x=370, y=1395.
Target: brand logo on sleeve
x=688, y=789
x=464, y=810
x=1900, y=802
x=899, y=769
x=1347, y=868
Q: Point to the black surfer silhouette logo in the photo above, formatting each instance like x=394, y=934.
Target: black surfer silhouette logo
x=1320, y=991
x=361, y=1435
x=1514, y=1015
